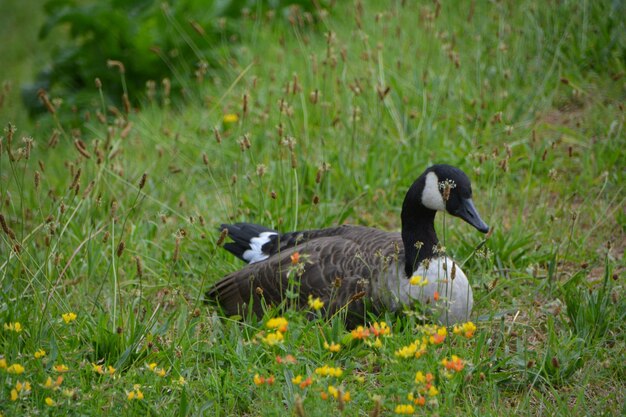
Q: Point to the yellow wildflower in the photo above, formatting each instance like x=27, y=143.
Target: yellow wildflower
x=278, y=323
x=420, y=378
x=230, y=118
x=380, y=329
x=332, y=346
x=181, y=380
x=466, y=329
x=99, y=369
x=152, y=366
x=23, y=386
x=439, y=336
x=328, y=371
x=160, y=372
x=315, y=303
x=40, y=354
x=13, y=327
x=3, y=363
x=16, y=368
x=135, y=394
x=61, y=368
x=418, y=280
x=50, y=402
x=376, y=343
x=273, y=338
x=296, y=380
x=404, y=409
x=68, y=393
x=360, y=333
x=14, y=395
x=432, y=391
x=453, y=364
x=258, y=380
x=69, y=317
x=333, y=391
x=110, y=370
x=406, y=352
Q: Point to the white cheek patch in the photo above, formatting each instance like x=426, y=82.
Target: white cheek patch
x=255, y=253
x=431, y=196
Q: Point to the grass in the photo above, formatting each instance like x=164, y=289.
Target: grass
x=528, y=100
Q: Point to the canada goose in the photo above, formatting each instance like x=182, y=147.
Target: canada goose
x=359, y=269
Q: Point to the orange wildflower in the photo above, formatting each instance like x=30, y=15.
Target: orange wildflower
x=295, y=258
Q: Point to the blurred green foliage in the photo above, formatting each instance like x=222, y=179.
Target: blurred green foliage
x=152, y=40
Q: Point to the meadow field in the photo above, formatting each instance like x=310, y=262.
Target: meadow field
x=110, y=213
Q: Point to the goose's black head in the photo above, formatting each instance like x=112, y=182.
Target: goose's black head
x=439, y=188
x=445, y=187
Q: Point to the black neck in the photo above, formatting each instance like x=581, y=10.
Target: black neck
x=418, y=230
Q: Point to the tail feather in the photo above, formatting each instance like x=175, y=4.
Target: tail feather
x=250, y=242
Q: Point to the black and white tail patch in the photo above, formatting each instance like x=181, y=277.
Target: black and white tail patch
x=251, y=242
x=255, y=253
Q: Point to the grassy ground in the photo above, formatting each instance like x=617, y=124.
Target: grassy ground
x=528, y=99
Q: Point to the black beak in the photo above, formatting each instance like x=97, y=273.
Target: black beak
x=468, y=212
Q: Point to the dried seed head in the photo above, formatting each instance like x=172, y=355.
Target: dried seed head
x=218, y=136
x=245, y=105
x=279, y=129
x=261, y=170
x=273, y=194
x=98, y=83
x=120, y=249
x=105, y=237
x=555, y=362
x=446, y=186
x=244, y=143
x=341, y=405
x=80, y=147
x=299, y=407
x=28, y=142
x=222, y=237
x=294, y=161
x=142, y=181
x=126, y=131
x=43, y=97
x=37, y=179
x=138, y=266
x=205, y=159
x=76, y=179
x=6, y=228
x=316, y=199
x=453, y=272
x=176, y=249
x=377, y=406
x=126, y=103
x=89, y=188
x=111, y=63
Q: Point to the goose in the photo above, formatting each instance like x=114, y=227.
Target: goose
x=356, y=269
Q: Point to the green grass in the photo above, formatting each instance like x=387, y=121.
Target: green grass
x=527, y=99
